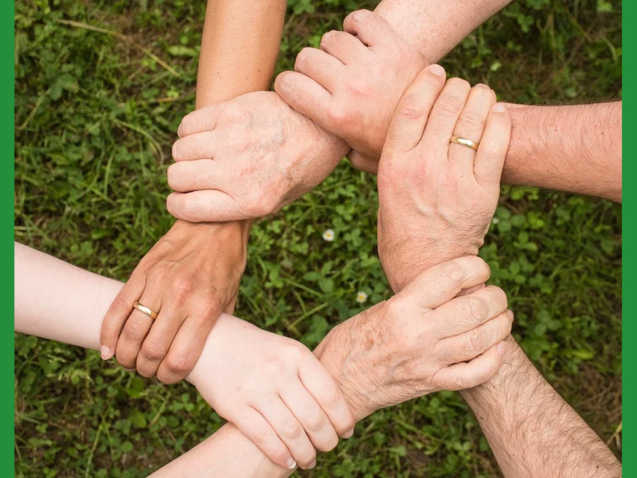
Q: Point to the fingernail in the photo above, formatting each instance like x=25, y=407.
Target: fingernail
x=498, y=108
x=311, y=465
x=501, y=348
x=291, y=464
x=129, y=369
x=437, y=70
x=105, y=352
x=348, y=433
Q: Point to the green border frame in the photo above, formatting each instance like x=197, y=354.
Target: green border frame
x=629, y=258
x=7, y=139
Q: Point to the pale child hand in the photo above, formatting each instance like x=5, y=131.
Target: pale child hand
x=274, y=390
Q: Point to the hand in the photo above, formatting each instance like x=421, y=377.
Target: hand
x=189, y=277
x=421, y=340
x=274, y=390
x=247, y=158
x=352, y=85
x=436, y=198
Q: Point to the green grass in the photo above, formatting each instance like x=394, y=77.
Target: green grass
x=96, y=115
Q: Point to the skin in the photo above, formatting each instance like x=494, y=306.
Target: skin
x=418, y=342
x=216, y=192
x=192, y=274
x=530, y=428
x=351, y=86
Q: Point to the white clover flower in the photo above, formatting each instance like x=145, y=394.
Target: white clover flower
x=328, y=235
x=361, y=297
x=495, y=220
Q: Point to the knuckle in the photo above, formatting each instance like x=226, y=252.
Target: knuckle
x=449, y=104
x=183, y=286
x=292, y=431
x=331, y=396
x=337, y=114
x=315, y=420
x=411, y=107
x=179, y=363
x=453, y=271
x=477, y=309
x=134, y=330
x=154, y=350
x=478, y=340
x=471, y=120
x=260, y=433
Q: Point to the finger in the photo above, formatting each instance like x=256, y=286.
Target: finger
x=257, y=429
x=493, y=147
x=477, y=341
x=445, y=114
x=203, y=119
x=195, y=146
x=347, y=48
x=186, y=348
x=158, y=341
x=442, y=282
x=117, y=314
x=461, y=376
x=205, y=206
x=412, y=112
x=470, y=126
x=372, y=29
x=304, y=95
x=190, y=176
x=290, y=431
x=319, y=66
x=465, y=313
x=323, y=388
x=137, y=327
x=362, y=162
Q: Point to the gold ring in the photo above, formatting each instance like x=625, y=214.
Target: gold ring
x=145, y=310
x=464, y=142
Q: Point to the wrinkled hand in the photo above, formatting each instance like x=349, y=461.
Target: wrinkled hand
x=274, y=390
x=421, y=340
x=436, y=198
x=247, y=158
x=352, y=85
x=189, y=277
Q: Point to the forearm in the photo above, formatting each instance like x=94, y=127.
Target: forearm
x=58, y=301
x=532, y=430
x=239, y=48
x=436, y=26
x=569, y=148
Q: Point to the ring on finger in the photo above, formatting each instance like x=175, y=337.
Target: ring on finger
x=145, y=310
x=465, y=142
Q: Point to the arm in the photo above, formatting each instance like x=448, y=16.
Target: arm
x=570, y=148
x=193, y=273
x=418, y=342
x=237, y=185
x=532, y=430
x=422, y=183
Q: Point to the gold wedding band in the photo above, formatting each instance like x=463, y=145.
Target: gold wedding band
x=145, y=310
x=464, y=142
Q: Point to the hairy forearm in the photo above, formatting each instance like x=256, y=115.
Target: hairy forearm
x=239, y=48
x=532, y=430
x=436, y=26
x=568, y=148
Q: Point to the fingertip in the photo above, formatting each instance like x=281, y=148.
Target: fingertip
x=437, y=70
x=106, y=352
x=501, y=348
x=498, y=108
x=281, y=82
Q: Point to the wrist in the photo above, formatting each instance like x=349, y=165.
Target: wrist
x=348, y=352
